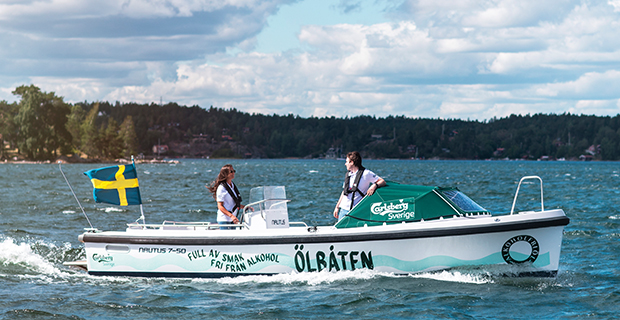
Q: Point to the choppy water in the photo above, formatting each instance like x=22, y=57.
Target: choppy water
x=40, y=222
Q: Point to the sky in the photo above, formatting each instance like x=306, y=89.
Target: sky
x=466, y=59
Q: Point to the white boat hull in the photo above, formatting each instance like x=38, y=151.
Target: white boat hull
x=524, y=244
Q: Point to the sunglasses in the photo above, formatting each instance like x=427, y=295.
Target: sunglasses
x=233, y=171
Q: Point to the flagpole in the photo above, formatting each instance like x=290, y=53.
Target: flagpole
x=141, y=210
x=141, y=215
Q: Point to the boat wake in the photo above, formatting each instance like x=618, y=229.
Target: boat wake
x=307, y=278
x=20, y=259
x=325, y=277
x=456, y=276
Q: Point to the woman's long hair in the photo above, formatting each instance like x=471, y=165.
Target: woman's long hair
x=221, y=178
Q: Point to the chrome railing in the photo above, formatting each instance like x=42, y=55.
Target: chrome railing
x=542, y=205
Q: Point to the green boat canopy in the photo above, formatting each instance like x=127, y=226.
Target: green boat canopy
x=395, y=203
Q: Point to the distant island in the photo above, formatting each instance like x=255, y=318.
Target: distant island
x=42, y=127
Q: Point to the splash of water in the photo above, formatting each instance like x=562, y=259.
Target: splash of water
x=21, y=255
x=455, y=276
x=326, y=277
x=310, y=278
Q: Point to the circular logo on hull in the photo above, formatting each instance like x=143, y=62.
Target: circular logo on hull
x=535, y=249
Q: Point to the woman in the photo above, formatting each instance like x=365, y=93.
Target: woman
x=227, y=196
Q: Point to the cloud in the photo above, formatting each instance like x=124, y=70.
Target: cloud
x=348, y=6
x=399, y=68
x=591, y=85
x=428, y=58
x=118, y=46
x=440, y=14
x=615, y=4
x=81, y=37
x=77, y=9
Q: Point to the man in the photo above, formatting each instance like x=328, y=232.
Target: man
x=358, y=182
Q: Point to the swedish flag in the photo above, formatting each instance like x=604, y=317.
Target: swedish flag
x=115, y=185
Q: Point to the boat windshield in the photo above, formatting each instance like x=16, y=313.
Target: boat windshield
x=267, y=193
x=462, y=201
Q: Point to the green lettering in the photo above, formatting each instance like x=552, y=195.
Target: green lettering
x=367, y=260
x=352, y=259
x=320, y=260
x=333, y=262
x=343, y=255
x=310, y=269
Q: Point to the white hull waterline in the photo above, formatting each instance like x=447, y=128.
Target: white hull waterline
x=525, y=243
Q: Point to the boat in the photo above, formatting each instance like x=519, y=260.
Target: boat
x=400, y=229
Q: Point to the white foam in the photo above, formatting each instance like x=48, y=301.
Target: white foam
x=326, y=277
x=22, y=254
x=110, y=209
x=454, y=276
x=309, y=278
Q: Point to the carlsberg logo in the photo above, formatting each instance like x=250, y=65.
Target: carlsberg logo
x=382, y=208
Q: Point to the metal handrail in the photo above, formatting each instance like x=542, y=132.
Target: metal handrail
x=167, y=223
x=206, y=225
x=185, y=223
x=542, y=205
x=301, y=223
x=263, y=201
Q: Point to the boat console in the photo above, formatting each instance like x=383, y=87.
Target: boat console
x=267, y=208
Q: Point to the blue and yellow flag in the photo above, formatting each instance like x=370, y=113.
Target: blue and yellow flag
x=115, y=185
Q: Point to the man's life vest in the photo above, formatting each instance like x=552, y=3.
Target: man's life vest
x=347, y=191
x=235, y=195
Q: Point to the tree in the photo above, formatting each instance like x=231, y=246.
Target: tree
x=130, y=139
x=89, y=140
x=111, y=144
x=8, y=129
x=41, y=120
x=74, y=126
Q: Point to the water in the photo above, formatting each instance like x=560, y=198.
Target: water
x=40, y=222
